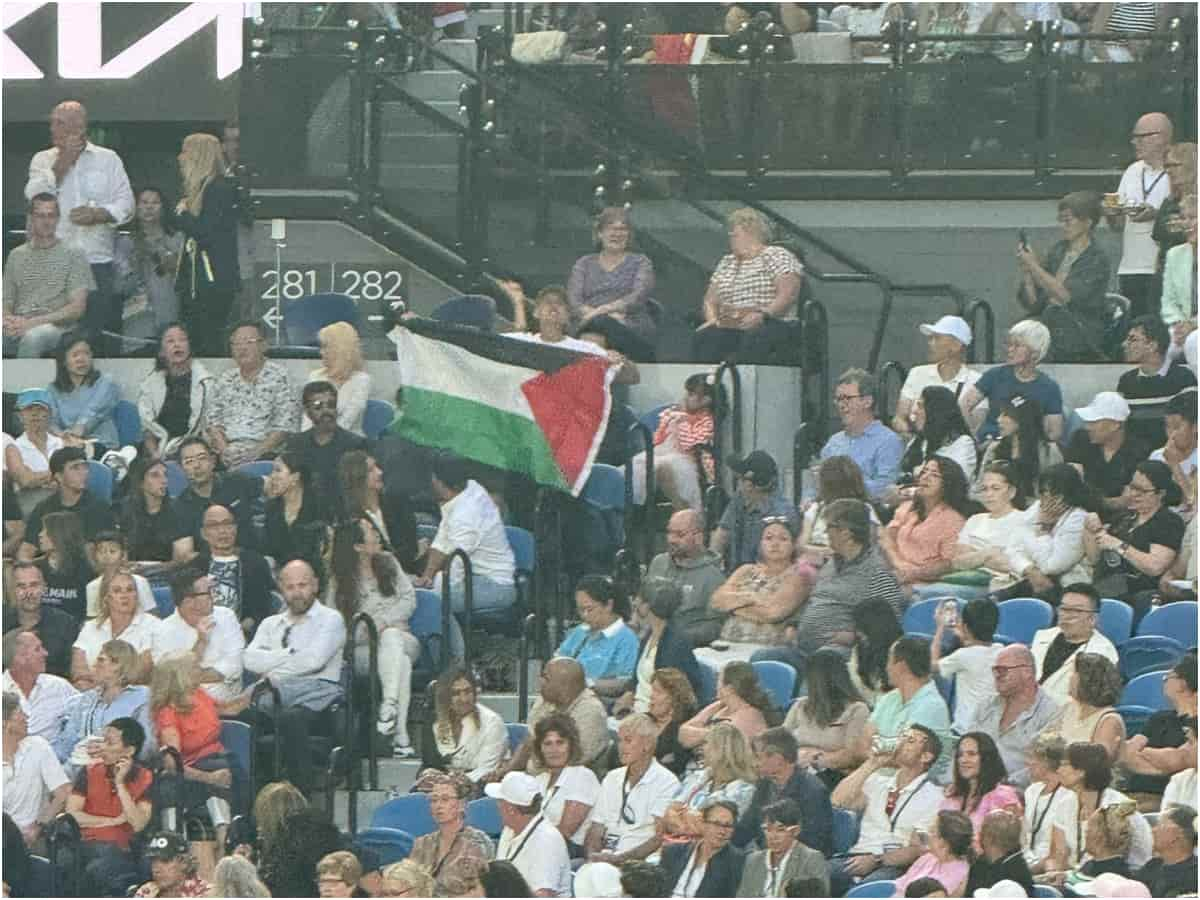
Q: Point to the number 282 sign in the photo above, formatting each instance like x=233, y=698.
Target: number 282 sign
x=361, y=282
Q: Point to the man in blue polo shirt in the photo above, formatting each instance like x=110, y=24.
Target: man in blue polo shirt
x=874, y=447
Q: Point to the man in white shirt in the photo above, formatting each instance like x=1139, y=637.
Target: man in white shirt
x=528, y=841
x=470, y=522
x=632, y=798
x=212, y=634
x=948, y=339
x=95, y=197
x=300, y=652
x=971, y=663
x=1055, y=649
x=43, y=697
x=1143, y=188
x=35, y=785
x=893, y=806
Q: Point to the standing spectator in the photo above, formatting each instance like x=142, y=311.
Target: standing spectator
x=1179, y=284
x=173, y=401
x=27, y=459
x=681, y=429
x=240, y=578
x=94, y=194
x=614, y=283
x=300, y=651
x=1054, y=554
x=921, y=539
x=1156, y=379
x=696, y=571
x=82, y=399
x=1028, y=344
x=938, y=429
x=1090, y=715
x=120, y=618
x=785, y=855
x=1056, y=649
x=323, y=442
x=1179, y=453
x=977, y=786
x=757, y=500
x=364, y=492
x=828, y=722
x=569, y=788
x=289, y=866
x=207, y=213
x=55, y=628
x=948, y=340
x=254, y=406
x=233, y=490
x=709, y=866
x=35, y=785
x=342, y=366
x=604, y=644
x=454, y=843
x=145, y=264
x=971, y=664
x=211, y=634
x=1021, y=441
x=69, y=466
x=467, y=737
x=528, y=841
x=1066, y=292
x=1172, y=871
x=1144, y=187
x=750, y=307
x=1044, y=798
x=46, y=284
x=1104, y=451
x=782, y=778
x=564, y=691
x=874, y=447
x=42, y=696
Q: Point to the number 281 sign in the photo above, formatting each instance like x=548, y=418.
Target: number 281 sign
x=363, y=283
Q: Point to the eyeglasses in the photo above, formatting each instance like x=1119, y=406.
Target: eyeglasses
x=724, y=826
x=1075, y=611
x=1138, y=489
x=245, y=342
x=1004, y=670
x=1142, y=135
x=190, y=594
x=221, y=523
x=841, y=399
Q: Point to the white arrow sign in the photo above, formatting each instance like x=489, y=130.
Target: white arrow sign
x=272, y=317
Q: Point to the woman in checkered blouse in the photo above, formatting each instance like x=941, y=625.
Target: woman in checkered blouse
x=750, y=306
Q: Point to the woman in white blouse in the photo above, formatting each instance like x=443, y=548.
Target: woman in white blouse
x=938, y=429
x=569, y=790
x=1044, y=799
x=342, y=366
x=1053, y=555
x=467, y=736
x=121, y=617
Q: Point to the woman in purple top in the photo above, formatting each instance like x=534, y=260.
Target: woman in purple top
x=613, y=283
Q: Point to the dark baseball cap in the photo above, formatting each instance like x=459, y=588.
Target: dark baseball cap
x=64, y=456
x=167, y=845
x=758, y=465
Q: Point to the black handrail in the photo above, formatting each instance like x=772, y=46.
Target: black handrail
x=447, y=627
x=735, y=408
x=882, y=401
x=177, y=758
x=527, y=625
x=362, y=619
x=972, y=314
x=65, y=831
x=815, y=330
x=265, y=686
x=647, y=518
x=335, y=764
x=468, y=599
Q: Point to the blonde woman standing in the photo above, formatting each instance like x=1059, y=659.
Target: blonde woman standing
x=342, y=366
x=208, y=275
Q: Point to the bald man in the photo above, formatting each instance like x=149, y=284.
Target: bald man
x=697, y=571
x=1144, y=187
x=1026, y=710
x=564, y=691
x=94, y=198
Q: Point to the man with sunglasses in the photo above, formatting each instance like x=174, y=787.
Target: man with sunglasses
x=323, y=445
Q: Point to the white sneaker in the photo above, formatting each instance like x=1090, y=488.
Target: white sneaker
x=403, y=751
x=387, y=719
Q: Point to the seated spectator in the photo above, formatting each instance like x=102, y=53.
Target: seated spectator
x=1021, y=442
x=297, y=515
x=406, y=877
x=1056, y=650
x=874, y=447
x=838, y=478
x=1000, y=858
x=926, y=887
x=681, y=428
x=1179, y=452
x=970, y=666
x=339, y=872
x=342, y=366
x=365, y=578
x=1178, y=293
x=920, y=540
x=172, y=869
x=234, y=490
x=445, y=850
x=709, y=866
x=750, y=307
x=82, y=399
x=27, y=459
x=1160, y=750
x=145, y=266
x=893, y=806
x=762, y=597
x=785, y=857
x=605, y=646
x=468, y=738
x=913, y=699
x=64, y=564
x=1130, y=555
x=570, y=789
x=948, y=340
x=564, y=691
x=69, y=467
x=120, y=618
x=614, y=283
x=1043, y=798
x=174, y=399
x=672, y=702
x=828, y=722
x=781, y=777
x=55, y=629
x=148, y=518
x=661, y=647
x=977, y=785
x=1087, y=773
x=948, y=859
x=1025, y=711
x=876, y=628
x=111, y=557
x=728, y=775
x=642, y=879
x=697, y=572
x=1172, y=870
x=324, y=442
x=633, y=798
x=528, y=841
x=740, y=700
x=498, y=878
x=111, y=804
x=981, y=558
x=273, y=806
x=211, y=634
x=239, y=578
x=236, y=876
x=1054, y=555
x=938, y=429
x=756, y=500
x=1106, y=840
x=1090, y=716
x=42, y=696
x=1156, y=379
x=471, y=523
x=289, y=867
x=35, y=785
x=1028, y=345
x=253, y=404
x=598, y=880
x=1104, y=452
x=300, y=651
x=364, y=493
x=46, y=285
x=1066, y=291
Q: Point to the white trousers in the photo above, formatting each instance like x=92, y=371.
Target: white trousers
x=398, y=650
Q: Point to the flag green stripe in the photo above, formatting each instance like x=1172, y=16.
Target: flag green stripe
x=481, y=432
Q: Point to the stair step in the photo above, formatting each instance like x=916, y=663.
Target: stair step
x=400, y=118
x=366, y=802
x=461, y=50
x=434, y=84
x=401, y=174
x=402, y=146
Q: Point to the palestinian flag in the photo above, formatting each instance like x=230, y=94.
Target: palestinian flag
x=526, y=407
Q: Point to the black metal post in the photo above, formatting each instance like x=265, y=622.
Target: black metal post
x=647, y=523
x=265, y=686
x=373, y=694
x=468, y=599
x=527, y=625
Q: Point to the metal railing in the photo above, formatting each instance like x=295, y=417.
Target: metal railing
x=468, y=591
x=639, y=531
x=349, y=748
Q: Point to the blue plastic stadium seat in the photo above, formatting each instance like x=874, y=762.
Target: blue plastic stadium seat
x=99, y=483
x=260, y=468
x=1175, y=620
x=523, y=548
x=1115, y=621
x=920, y=617
x=304, y=317
x=710, y=678
x=778, y=679
x=408, y=813
x=377, y=418
x=650, y=419
x=873, y=889
x=163, y=600
x=1146, y=690
x=392, y=845
x=128, y=422
x=484, y=814
x=1045, y=890
x=1148, y=653
x=176, y=480
x=1022, y=617
x=238, y=740
x=1135, y=718
x=518, y=732
x=845, y=830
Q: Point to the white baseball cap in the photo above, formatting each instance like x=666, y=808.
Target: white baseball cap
x=1105, y=405
x=598, y=880
x=517, y=788
x=1005, y=888
x=954, y=326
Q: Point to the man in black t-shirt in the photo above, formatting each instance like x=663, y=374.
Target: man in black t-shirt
x=240, y=579
x=1104, y=452
x=233, y=490
x=322, y=446
x=1153, y=382
x=1150, y=758
x=1172, y=871
x=56, y=629
x=69, y=467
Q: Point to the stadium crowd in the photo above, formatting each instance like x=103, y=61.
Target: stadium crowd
x=213, y=572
